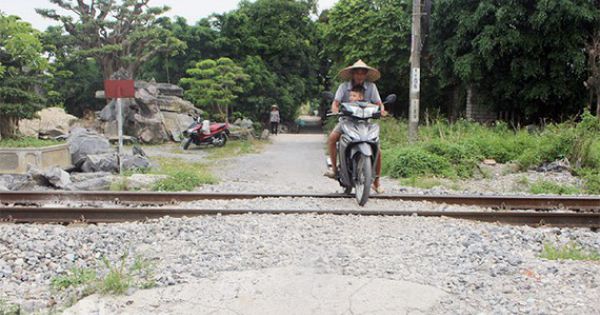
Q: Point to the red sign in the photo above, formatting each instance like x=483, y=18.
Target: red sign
x=119, y=89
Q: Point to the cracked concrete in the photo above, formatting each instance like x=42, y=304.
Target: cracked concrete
x=287, y=290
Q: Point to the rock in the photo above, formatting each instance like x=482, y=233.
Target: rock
x=93, y=184
x=176, y=124
x=247, y=123
x=135, y=162
x=143, y=181
x=176, y=105
x=17, y=182
x=37, y=176
x=241, y=133
x=265, y=135
x=168, y=89
x=107, y=162
x=557, y=166
x=30, y=127
x=83, y=143
x=489, y=162
x=55, y=122
x=58, y=178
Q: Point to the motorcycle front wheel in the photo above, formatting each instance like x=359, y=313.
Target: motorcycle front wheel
x=364, y=178
x=186, y=143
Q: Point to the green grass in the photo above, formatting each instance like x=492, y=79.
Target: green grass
x=9, y=309
x=183, y=175
x=115, y=278
x=27, y=142
x=570, y=251
x=235, y=148
x=74, y=278
x=550, y=188
x=421, y=182
x=454, y=150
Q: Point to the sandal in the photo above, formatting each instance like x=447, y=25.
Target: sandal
x=378, y=189
x=330, y=174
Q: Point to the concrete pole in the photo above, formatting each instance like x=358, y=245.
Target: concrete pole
x=120, y=128
x=415, y=73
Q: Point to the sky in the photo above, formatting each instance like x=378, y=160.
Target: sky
x=190, y=9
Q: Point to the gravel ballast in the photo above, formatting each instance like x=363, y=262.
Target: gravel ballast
x=483, y=267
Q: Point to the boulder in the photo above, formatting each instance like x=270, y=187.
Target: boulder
x=107, y=162
x=135, y=162
x=562, y=165
x=83, y=142
x=246, y=123
x=265, y=135
x=168, y=89
x=176, y=105
x=93, y=184
x=176, y=124
x=58, y=178
x=17, y=182
x=30, y=127
x=55, y=122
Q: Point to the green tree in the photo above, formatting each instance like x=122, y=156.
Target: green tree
x=74, y=78
x=201, y=41
x=260, y=92
x=376, y=31
x=21, y=66
x=118, y=34
x=215, y=84
x=524, y=57
x=282, y=33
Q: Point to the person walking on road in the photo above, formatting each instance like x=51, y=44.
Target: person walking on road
x=274, y=119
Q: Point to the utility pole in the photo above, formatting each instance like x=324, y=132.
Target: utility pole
x=415, y=73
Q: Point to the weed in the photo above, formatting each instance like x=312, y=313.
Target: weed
x=117, y=280
x=547, y=187
x=120, y=185
x=421, y=182
x=183, y=176
x=74, y=278
x=27, y=142
x=570, y=251
x=9, y=309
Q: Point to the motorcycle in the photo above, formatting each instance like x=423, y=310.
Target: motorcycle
x=358, y=147
x=205, y=132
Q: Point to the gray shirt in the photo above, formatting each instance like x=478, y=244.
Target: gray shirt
x=371, y=93
x=275, y=116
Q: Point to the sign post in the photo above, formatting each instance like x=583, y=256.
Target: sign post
x=415, y=73
x=118, y=89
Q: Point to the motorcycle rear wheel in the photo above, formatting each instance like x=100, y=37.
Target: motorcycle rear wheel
x=220, y=140
x=364, y=178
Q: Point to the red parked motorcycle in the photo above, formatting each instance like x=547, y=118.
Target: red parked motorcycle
x=205, y=132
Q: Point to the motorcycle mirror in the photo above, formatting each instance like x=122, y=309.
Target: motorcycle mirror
x=390, y=99
x=327, y=96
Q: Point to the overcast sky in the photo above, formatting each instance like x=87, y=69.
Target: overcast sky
x=191, y=10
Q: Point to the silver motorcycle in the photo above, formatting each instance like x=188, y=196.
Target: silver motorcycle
x=358, y=147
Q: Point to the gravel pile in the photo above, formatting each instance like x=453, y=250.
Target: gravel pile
x=484, y=267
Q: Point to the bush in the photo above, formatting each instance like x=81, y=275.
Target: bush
x=414, y=162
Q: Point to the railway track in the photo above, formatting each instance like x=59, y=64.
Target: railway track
x=495, y=202
x=24, y=207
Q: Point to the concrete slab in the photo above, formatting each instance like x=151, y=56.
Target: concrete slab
x=272, y=291
x=16, y=160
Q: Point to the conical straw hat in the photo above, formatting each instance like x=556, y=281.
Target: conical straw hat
x=373, y=74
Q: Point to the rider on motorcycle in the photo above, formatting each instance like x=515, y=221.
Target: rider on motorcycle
x=359, y=74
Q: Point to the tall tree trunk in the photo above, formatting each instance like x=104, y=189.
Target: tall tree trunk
x=598, y=104
x=8, y=126
x=470, y=103
x=454, y=109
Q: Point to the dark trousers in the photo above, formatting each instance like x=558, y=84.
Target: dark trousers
x=274, y=127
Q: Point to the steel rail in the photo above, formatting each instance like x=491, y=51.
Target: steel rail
x=497, y=202
x=128, y=214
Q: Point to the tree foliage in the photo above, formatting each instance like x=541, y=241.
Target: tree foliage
x=215, y=84
x=21, y=66
x=118, y=34
x=523, y=56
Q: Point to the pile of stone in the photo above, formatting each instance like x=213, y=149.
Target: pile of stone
x=157, y=114
x=50, y=122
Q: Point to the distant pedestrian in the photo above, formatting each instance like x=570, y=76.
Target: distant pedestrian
x=275, y=119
